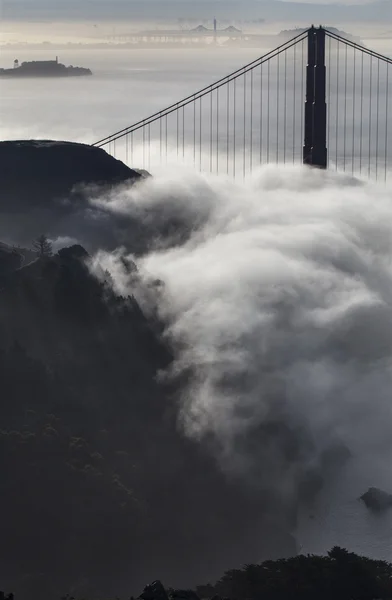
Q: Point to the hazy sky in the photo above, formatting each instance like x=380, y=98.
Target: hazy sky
x=380, y=10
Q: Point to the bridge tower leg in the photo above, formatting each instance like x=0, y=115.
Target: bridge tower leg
x=309, y=98
x=315, y=134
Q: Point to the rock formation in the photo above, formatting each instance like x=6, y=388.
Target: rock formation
x=376, y=499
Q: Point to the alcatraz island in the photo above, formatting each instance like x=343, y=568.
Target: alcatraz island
x=44, y=68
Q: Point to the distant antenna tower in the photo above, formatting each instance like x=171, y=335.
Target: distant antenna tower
x=215, y=25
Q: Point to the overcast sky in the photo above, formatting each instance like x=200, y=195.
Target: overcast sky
x=322, y=11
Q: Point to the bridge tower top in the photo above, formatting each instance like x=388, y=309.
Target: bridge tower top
x=274, y=109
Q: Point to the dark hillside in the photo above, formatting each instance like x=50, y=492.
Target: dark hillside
x=341, y=575
x=35, y=173
x=46, y=186
x=99, y=491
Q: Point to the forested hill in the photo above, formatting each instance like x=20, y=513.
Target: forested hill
x=99, y=492
x=341, y=575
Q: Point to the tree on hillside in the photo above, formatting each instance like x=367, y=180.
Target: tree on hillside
x=42, y=246
x=340, y=575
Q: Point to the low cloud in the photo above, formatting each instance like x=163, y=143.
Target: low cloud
x=276, y=297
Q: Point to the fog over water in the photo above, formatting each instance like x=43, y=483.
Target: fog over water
x=281, y=298
x=126, y=86
x=130, y=84
x=279, y=304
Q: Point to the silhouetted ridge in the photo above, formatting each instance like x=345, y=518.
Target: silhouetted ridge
x=341, y=574
x=36, y=172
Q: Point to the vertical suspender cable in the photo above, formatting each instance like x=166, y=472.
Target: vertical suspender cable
x=345, y=107
x=370, y=111
x=294, y=99
x=160, y=140
x=244, y=132
x=377, y=114
x=268, y=109
x=353, y=122
x=227, y=126
x=234, y=128
x=166, y=136
x=302, y=85
x=337, y=102
x=285, y=107
x=329, y=95
x=149, y=146
x=386, y=123
x=277, y=108
x=261, y=113
x=217, y=130
x=144, y=146
x=211, y=131
x=178, y=128
x=361, y=119
x=194, y=132
x=200, y=115
x=183, y=132
x=251, y=122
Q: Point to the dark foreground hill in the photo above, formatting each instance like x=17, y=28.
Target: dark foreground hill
x=52, y=187
x=99, y=492
x=340, y=574
x=36, y=173
x=46, y=184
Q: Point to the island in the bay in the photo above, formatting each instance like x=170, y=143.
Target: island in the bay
x=43, y=68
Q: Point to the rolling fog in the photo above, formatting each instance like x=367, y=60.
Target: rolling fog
x=279, y=306
x=292, y=316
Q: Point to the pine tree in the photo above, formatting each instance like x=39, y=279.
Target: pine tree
x=42, y=246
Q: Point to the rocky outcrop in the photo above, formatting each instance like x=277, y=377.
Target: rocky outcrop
x=377, y=500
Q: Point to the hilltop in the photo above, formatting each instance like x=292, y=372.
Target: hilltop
x=38, y=172
x=46, y=184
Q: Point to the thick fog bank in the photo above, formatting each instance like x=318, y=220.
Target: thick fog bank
x=276, y=295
